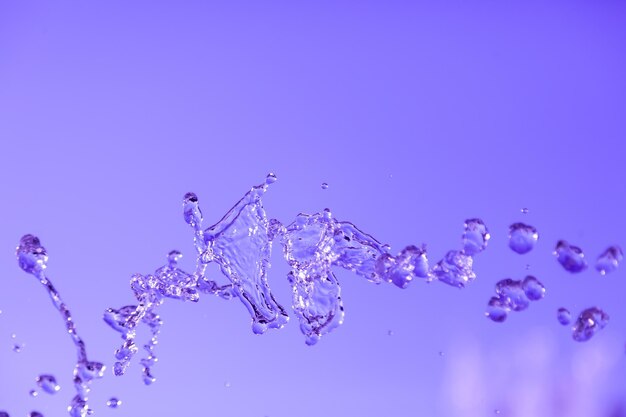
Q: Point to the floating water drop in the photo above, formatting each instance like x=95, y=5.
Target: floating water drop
x=455, y=269
x=389, y=332
x=271, y=178
x=35, y=414
x=609, y=260
x=570, y=257
x=33, y=393
x=522, y=237
x=324, y=186
x=17, y=348
x=589, y=322
x=524, y=210
x=564, y=316
x=4, y=414
x=512, y=292
x=475, y=237
x=227, y=384
x=442, y=353
x=497, y=309
x=48, y=383
x=533, y=288
x=113, y=402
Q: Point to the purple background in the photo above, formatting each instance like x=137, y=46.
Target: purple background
x=417, y=115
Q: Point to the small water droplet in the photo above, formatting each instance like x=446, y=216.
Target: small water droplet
x=113, y=402
x=17, y=348
x=589, y=322
x=524, y=210
x=48, y=383
x=441, y=353
x=33, y=393
x=496, y=411
x=522, y=237
x=227, y=384
x=533, y=288
x=271, y=178
x=564, y=316
x=475, y=237
x=173, y=258
x=570, y=257
x=4, y=414
x=389, y=332
x=324, y=186
x=497, y=309
x=512, y=293
x=35, y=414
x=609, y=260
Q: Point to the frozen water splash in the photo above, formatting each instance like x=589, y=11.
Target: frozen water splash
x=522, y=237
x=33, y=258
x=241, y=243
x=609, y=260
x=589, y=322
x=564, y=316
x=570, y=257
x=513, y=295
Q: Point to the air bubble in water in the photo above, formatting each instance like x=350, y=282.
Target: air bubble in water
x=113, y=402
x=564, y=316
x=609, y=260
x=48, y=383
x=522, y=237
x=475, y=237
x=589, y=322
x=570, y=257
x=497, y=309
x=533, y=289
x=324, y=186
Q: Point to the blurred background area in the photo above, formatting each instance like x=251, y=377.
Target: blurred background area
x=418, y=115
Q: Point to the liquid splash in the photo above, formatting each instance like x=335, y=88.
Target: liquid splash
x=33, y=258
x=313, y=244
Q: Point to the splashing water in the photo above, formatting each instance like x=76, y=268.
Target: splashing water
x=609, y=260
x=570, y=257
x=513, y=295
x=241, y=243
x=564, y=316
x=589, y=322
x=48, y=383
x=33, y=258
x=522, y=238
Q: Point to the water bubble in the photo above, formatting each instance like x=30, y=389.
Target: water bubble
x=33, y=393
x=48, y=383
x=513, y=293
x=271, y=178
x=570, y=257
x=497, y=309
x=564, y=316
x=475, y=237
x=533, y=288
x=324, y=186
x=589, y=322
x=522, y=237
x=113, y=402
x=609, y=260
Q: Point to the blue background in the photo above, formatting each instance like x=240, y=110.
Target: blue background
x=417, y=114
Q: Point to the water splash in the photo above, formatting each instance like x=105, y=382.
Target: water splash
x=33, y=258
x=564, y=316
x=589, y=322
x=609, y=260
x=522, y=237
x=48, y=383
x=241, y=243
x=570, y=257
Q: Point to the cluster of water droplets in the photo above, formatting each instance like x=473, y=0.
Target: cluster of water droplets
x=513, y=295
x=33, y=258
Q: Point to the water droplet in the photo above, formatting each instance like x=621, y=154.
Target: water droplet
x=227, y=384
x=48, y=383
x=4, y=414
x=497, y=309
x=31, y=256
x=522, y=237
x=455, y=269
x=570, y=257
x=389, y=332
x=475, y=237
x=441, y=353
x=496, y=411
x=33, y=393
x=173, y=258
x=271, y=178
x=512, y=292
x=191, y=210
x=35, y=414
x=533, y=288
x=564, y=316
x=17, y=348
x=609, y=260
x=113, y=402
x=589, y=322
x=324, y=186
x=524, y=210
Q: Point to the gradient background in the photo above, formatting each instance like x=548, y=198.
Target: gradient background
x=418, y=114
